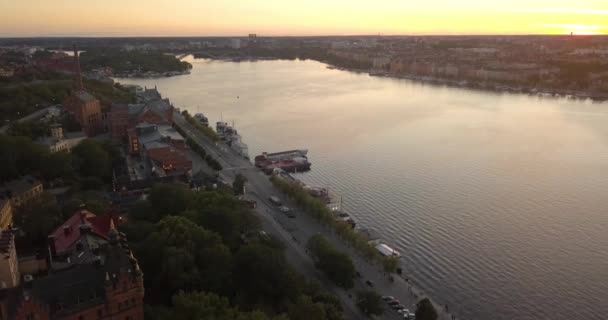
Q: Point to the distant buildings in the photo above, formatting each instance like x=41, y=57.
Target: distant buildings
x=6, y=72
x=92, y=275
x=21, y=190
x=235, y=43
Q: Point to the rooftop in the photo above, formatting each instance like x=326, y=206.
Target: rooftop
x=18, y=186
x=81, y=223
x=84, y=96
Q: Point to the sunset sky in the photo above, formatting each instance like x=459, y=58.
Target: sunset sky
x=309, y=17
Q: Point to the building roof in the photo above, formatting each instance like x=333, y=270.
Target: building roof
x=84, y=96
x=18, y=186
x=78, y=287
x=66, y=235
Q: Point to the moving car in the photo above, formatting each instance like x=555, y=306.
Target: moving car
x=275, y=200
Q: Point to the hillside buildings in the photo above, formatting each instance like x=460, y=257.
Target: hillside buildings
x=21, y=190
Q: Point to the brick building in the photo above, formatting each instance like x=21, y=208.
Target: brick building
x=93, y=275
x=86, y=109
x=118, y=121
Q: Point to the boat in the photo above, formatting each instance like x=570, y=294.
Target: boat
x=266, y=157
x=232, y=138
x=387, y=251
x=201, y=119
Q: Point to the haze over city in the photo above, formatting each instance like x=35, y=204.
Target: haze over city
x=293, y=18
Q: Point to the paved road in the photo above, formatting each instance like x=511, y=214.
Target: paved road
x=296, y=231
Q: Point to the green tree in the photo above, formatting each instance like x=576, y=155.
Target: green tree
x=222, y=213
x=305, y=309
x=38, y=218
x=93, y=160
x=170, y=199
x=239, y=184
x=58, y=165
x=179, y=255
x=201, y=305
x=390, y=264
x=425, y=310
x=264, y=277
x=338, y=266
x=370, y=302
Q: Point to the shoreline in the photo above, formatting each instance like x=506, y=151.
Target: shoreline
x=454, y=83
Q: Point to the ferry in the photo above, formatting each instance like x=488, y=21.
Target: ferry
x=232, y=138
x=201, y=119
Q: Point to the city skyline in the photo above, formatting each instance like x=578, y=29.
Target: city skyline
x=281, y=18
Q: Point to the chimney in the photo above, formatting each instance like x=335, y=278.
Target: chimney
x=28, y=281
x=67, y=230
x=78, y=71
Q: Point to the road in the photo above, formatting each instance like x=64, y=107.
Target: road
x=295, y=232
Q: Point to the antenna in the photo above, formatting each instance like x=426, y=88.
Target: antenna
x=78, y=71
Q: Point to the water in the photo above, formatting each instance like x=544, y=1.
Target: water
x=497, y=202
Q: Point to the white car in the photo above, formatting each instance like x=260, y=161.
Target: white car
x=405, y=312
x=284, y=209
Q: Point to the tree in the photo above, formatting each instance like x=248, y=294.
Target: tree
x=264, y=277
x=369, y=302
x=425, y=310
x=201, y=305
x=38, y=218
x=93, y=160
x=338, y=266
x=179, y=255
x=222, y=213
x=239, y=184
x=305, y=309
x=390, y=264
x=169, y=199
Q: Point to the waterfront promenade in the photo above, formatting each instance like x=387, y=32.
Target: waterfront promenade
x=295, y=233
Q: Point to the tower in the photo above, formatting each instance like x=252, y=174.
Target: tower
x=78, y=70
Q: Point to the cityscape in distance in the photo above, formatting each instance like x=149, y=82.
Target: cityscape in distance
x=326, y=160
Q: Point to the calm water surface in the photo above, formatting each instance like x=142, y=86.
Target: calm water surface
x=498, y=202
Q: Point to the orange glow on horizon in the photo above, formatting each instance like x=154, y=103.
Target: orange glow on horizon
x=284, y=17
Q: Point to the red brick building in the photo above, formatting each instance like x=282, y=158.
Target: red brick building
x=119, y=121
x=86, y=110
x=93, y=276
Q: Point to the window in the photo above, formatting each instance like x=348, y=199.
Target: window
x=99, y=313
x=119, y=305
x=80, y=317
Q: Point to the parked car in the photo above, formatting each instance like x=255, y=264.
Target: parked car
x=404, y=311
x=369, y=283
x=388, y=298
x=284, y=209
x=275, y=200
x=397, y=306
x=394, y=302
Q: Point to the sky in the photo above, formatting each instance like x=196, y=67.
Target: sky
x=303, y=17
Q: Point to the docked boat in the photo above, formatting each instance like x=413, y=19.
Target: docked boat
x=201, y=119
x=232, y=138
x=266, y=157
